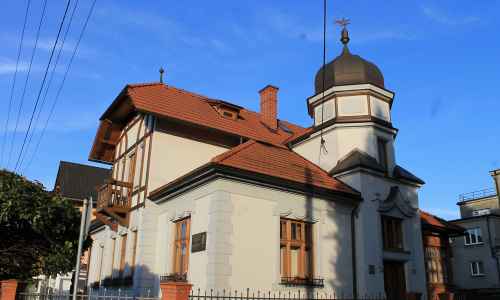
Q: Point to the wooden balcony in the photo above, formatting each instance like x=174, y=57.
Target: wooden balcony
x=114, y=201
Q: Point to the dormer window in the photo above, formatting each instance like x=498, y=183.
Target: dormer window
x=229, y=114
x=225, y=109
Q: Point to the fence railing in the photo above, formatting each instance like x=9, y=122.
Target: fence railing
x=90, y=296
x=476, y=194
x=198, y=294
x=304, y=294
x=114, y=194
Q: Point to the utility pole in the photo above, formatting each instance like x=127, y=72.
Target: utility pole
x=83, y=235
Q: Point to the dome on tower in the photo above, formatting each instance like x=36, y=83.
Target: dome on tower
x=347, y=69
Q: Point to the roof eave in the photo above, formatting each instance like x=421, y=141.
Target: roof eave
x=213, y=170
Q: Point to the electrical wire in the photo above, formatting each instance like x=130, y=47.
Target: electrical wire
x=322, y=145
x=43, y=83
x=62, y=85
x=19, y=50
x=50, y=80
x=42, y=17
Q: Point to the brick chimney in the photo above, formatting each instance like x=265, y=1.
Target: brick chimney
x=269, y=106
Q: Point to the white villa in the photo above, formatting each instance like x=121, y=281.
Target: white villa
x=206, y=191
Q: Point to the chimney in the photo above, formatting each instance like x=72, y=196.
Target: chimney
x=269, y=106
x=496, y=178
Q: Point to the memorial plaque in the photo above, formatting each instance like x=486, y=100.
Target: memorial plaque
x=198, y=242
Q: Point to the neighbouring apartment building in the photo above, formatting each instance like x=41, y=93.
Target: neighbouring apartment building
x=207, y=191
x=436, y=234
x=476, y=256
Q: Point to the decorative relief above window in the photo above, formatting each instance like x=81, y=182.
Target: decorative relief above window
x=395, y=200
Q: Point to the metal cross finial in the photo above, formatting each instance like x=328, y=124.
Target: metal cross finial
x=343, y=22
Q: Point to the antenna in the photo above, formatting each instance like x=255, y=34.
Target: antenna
x=161, y=74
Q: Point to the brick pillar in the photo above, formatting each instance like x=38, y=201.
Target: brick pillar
x=175, y=290
x=9, y=288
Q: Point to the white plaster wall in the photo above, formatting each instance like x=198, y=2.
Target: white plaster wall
x=369, y=234
x=342, y=139
x=324, y=112
x=242, y=225
x=380, y=109
x=174, y=156
x=352, y=105
x=98, y=254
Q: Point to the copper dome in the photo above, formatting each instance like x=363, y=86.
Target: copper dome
x=347, y=69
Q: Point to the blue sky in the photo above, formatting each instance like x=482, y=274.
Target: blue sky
x=439, y=57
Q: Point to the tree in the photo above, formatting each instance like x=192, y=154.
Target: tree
x=38, y=230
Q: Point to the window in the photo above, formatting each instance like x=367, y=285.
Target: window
x=113, y=252
x=134, y=250
x=123, y=252
x=436, y=265
x=296, y=249
x=473, y=236
x=181, y=246
x=382, y=152
x=392, y=233
x=131, y=170
x=481, y=212
x=476, y=268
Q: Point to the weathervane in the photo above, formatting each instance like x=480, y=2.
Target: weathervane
x=343, y=22
x=345, y=34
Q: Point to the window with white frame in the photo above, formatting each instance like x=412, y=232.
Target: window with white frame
x=481, y=212
x=473, y=236
x=476, y=268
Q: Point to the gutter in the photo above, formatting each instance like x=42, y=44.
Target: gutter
x=354, y=214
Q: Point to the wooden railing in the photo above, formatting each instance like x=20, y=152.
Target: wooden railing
x=114, y=194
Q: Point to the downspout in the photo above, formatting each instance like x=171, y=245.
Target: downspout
x=493, y=253
x=354, y=214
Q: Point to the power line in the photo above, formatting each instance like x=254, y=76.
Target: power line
x=50, y=80
x=62, y=85
x=26, y=81
x=19, y=50
x=43, y=83
x=322, y=145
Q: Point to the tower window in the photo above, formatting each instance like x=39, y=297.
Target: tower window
x=392, y=233
x=382, y=153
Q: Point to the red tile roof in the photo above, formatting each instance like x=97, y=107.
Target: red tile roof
x=279, y=161
x=168, y=101
x=432, y=220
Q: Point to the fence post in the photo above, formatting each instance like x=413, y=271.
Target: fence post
x=8, y=289
x=175, y=290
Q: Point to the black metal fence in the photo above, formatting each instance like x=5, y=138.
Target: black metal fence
x=197, y=294
x=67, y=296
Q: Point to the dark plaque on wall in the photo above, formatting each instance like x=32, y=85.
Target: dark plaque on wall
x=198, y=242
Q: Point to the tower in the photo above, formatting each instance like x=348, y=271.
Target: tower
x=352, y=137
x=351, y=110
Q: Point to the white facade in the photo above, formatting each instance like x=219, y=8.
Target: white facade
x=241, y=218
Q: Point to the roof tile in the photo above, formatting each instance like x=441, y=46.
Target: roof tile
x=279, y=161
